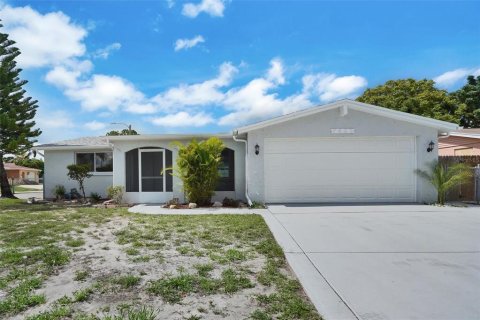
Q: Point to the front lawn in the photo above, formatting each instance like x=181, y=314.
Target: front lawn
x=85, y=263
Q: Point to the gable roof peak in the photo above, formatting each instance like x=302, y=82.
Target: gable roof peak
x=442, y=126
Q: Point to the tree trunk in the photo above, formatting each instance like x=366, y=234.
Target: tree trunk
x=83, y=191
x=4, y=185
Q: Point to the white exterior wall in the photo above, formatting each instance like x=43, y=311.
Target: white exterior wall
x=319, y=125
x=55, y=173
x=119, y=176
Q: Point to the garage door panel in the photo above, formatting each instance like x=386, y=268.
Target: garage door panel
x=343, y=160
x=353, y=176
x=364, y=144
x=345, y=194
x=343, y=180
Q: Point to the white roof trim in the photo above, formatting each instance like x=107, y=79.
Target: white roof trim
x=143, y=137
x=73, y=147
x=465, y=135
x=442, y=126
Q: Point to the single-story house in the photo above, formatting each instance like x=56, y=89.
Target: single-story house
x=464, y=142
x=20, y=174
x=344, y=151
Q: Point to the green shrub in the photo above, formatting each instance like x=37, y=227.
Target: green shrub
x=95, y=197
x=59, y=191
x=197, y=167
x=444, y=177
x=115, y=193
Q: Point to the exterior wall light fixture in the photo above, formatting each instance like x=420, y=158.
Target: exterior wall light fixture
x=431, y=145
x=257, y=149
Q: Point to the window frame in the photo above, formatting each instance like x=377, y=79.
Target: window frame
x=164, y=180
x=95, y=172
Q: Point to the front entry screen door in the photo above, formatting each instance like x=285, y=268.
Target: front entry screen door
x=151, y=178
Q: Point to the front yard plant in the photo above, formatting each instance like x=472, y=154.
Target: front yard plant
x=79, y=172
x=115, y=193
x=59, y=262
x=197, y=167
x=445, y=178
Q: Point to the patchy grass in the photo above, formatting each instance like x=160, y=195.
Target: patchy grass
x=81, y=275
x=127, y=281
x=82, y=295
x=74, y=243
x=114, y=265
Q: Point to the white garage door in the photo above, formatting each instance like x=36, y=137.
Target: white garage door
x=364, y=169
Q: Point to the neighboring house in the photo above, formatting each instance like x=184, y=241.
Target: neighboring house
x=344, y=151
x=19, y=174
x=464, y=142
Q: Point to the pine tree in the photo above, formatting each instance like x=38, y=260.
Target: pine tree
x=17, y=133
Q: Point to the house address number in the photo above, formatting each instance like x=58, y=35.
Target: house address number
x=342, y=131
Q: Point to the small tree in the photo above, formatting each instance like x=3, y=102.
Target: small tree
x=444, y=177
x=197, y=167
x=79, y=172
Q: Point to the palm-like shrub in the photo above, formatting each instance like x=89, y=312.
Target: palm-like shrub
x=444, y=177
x=197, y=167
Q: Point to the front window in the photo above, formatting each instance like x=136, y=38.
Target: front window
x=98, y=161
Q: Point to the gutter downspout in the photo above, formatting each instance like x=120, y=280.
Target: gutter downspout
x=235, y=134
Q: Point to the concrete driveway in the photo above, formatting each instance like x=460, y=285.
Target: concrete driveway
x=384, y=262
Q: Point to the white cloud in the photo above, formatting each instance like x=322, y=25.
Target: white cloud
x=329, y=87
x=141, y=108
x=183, y=119
x=183, y=44
x=44, y=40
x=450, y=78
x=214, y=8
x=198, y=94
x=95, y=125
x=66, y=75
x=56, y=119
x=104, y=53
x=104, y=91
x=254, y=101
x=62, y=77
x=275, y=73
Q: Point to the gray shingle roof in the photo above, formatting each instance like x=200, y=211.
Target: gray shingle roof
x=79, y=142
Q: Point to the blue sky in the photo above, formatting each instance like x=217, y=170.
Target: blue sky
x=213, y=65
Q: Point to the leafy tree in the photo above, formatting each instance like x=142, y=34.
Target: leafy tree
x=444, y=177
x=418, y=97
x=16, y=111
x=197, y=167
x=124, y=132
x=79, y=172
x=469, y=96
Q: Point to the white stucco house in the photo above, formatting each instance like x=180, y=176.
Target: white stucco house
x=344, y=151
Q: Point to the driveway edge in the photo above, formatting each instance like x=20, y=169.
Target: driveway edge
x=318, y=290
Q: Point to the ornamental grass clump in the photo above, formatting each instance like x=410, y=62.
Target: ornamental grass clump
x=444, y=177
x=197, y=167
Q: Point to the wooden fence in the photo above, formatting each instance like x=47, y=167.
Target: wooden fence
x=468, y=191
